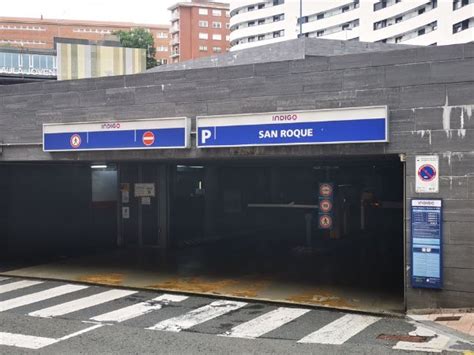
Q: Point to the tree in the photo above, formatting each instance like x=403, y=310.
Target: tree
x=139, y=38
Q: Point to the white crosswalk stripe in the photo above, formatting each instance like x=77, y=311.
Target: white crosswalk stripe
x=25, y=341
x=18, y=285
x=39, y=296
x=266, y=323
x=139, y=309
x=198, y=316
x=35, y=342
x=81, y=303
x=341, y=330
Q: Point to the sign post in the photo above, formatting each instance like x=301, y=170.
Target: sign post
x=326, y=197
x=426, y=243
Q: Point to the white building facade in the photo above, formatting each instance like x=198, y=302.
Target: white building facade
x=415, y=22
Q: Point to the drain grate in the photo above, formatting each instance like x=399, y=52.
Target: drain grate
x=447, y=318
x=408, y=338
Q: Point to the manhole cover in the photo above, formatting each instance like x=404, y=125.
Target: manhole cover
x=408, y=338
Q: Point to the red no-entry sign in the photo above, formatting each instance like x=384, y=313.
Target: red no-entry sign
x=148, y=138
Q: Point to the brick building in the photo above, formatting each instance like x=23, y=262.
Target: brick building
x=198, y=29
x=34, y=33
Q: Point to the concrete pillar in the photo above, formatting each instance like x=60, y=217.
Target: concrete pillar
x=211, y=198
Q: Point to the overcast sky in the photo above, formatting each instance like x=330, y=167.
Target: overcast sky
x=139, y=11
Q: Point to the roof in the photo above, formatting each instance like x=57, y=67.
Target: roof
x=204, y=4
x=288, y=50
x=30, y=20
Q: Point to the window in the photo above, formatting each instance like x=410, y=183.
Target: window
x=203, y=35
x=227, y=38
x=345, y=26
x=216, y=13
x=460, y=26
x=421, y=32
x=250, y=8
x=251, y=23
x=320, y=17
x=162, y=35
x=457, y=4
x=261, y=21
x=203, y=11
x=217, y=25
x=217, y=37
x=345, y=9
x=277, y=34
x=380, y=24
x=261, y=6
x=399, y=19
x=278, y=2
x=227, y=25
x=420, y=11
x=303, y=19
x=217, y=49
x=261, y=37
x=278, y=18
x=398, y=39
x=162, y=49
x=319, y=33
x=203, y=23
x=203, y=48
x=227, y=14
x=251, y=39
x=380, y=5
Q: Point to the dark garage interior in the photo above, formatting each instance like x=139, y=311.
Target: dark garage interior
x=246, y=229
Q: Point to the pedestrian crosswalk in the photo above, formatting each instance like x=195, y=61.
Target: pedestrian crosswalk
x=81, y=303
x=266, y=323
x=341, y=330
x=38, y=296
x=138, y=309
x=173, y=313
x=17, y=285
x=198, y=316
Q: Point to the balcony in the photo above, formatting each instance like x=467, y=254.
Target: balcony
x=174, y=28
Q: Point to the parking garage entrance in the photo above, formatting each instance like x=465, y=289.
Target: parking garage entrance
x=327, y=232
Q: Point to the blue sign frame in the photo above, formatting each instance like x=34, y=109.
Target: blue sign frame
x=426, y=243
x=329, y=126
x=143, y=134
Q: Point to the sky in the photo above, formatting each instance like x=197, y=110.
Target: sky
x=138, y=11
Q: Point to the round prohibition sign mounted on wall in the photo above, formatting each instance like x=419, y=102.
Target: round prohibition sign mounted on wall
x=325, y=190
x=325, y=206
x=148, y=138
x=75, y=141
x=427, y=172
x=325, y=221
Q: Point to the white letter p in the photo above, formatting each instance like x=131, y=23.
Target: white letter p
x=205, y=135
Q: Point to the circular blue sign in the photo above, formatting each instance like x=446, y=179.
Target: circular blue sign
x=427, y=172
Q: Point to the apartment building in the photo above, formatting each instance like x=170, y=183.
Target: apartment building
x=415, y=22
x=198, y=29
x=31, y=33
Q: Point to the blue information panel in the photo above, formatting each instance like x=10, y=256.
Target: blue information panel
x=426, y=243
x=123, y=135
x=351, y=125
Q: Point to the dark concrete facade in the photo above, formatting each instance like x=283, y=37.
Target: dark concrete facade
x=429, y=92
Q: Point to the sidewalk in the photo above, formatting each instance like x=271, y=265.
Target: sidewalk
x=460, y=321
